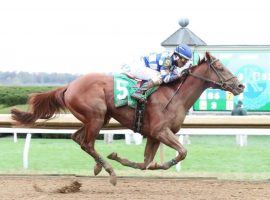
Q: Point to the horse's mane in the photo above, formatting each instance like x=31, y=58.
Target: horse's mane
x=201, y=61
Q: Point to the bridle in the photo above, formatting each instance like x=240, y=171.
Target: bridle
x=222, y=82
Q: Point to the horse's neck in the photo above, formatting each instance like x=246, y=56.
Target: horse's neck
x=195, y=88
x=190, y=91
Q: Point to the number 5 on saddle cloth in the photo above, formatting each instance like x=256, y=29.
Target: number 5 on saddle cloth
x=124, y=87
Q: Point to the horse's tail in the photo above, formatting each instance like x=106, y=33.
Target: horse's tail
x=42, y=106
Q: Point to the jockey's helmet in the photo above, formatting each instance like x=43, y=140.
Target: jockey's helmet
x=184, y=51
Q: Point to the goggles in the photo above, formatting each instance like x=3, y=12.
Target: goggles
x=183, y=60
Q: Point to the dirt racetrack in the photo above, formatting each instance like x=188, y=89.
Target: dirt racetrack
x=47, y=187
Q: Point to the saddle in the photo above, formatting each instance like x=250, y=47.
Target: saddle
x=124, y=86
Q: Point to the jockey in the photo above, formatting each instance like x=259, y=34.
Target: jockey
x=158, y=68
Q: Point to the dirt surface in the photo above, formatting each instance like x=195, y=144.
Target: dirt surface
x=50, y=187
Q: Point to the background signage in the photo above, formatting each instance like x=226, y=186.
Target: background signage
x=253, y=69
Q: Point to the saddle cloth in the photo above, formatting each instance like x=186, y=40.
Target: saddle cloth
x=124, y=87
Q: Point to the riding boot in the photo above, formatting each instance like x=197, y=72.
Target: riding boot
x=139, y=94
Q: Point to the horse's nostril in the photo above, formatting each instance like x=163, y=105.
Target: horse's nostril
x=241, y=86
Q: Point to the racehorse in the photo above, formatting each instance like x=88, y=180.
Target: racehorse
x=90, y=99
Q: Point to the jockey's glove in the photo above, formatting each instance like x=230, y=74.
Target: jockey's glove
x=185, y=72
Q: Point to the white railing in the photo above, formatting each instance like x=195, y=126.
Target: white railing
x=130, y=137
x=240, y=126
x=240, y=133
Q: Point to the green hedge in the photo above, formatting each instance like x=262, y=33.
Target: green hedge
x=15, y=95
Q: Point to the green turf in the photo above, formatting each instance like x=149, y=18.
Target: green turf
x=206, y=155
x=6, y=109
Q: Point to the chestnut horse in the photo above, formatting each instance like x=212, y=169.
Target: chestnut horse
x=90, y=99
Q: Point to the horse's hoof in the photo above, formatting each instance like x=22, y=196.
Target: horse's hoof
x=112, y=156
x=113, y=180
x=151, y=165
x=166, y=166
x=97, y=169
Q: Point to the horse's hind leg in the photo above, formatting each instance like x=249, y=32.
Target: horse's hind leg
x=91, y=110
x=92, y=130
x=98, y=166
x=78, y=137
x=149, y=155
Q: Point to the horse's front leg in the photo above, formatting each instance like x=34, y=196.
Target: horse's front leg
x=167, y=137
x=149, y=155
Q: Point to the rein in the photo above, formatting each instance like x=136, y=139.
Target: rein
x=178, y=88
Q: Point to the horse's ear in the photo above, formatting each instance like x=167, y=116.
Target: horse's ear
x=207, y=55
x=199, y=60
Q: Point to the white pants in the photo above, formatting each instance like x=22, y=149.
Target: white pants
x=140, y=71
